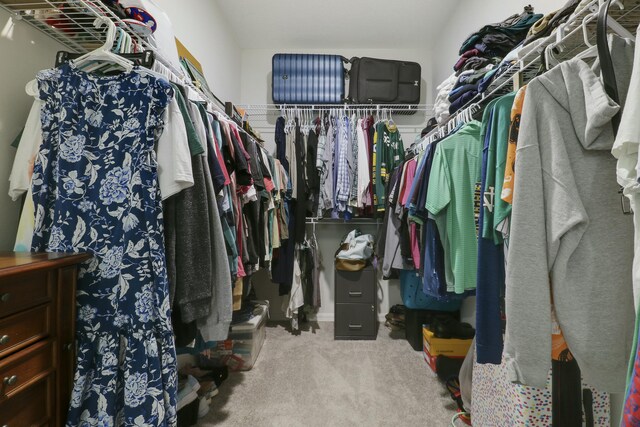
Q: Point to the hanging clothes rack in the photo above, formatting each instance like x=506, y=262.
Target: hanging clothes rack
x=330, y=221
x=414, y=117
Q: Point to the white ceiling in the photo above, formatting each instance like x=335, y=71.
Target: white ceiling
x=374, y=24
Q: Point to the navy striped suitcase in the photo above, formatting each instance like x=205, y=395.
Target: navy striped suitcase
x=308, y=79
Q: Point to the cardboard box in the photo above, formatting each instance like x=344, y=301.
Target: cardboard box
x=431, y=360
x=450, y=347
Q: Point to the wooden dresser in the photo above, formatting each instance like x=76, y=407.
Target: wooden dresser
x=37, y=337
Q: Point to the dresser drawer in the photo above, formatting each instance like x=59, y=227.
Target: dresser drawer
x=355, y=320
x=26, y=328
x=26, y=367
x=356, y=286
x=20, y=292
x=31, y=407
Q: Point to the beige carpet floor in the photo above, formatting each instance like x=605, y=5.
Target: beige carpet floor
x=311, y=380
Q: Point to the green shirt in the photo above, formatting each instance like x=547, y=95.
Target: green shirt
x=195, y=145
x=497, y=210
x=389, y=153
x=453, y=200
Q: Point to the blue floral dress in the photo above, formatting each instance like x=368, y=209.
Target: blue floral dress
x=95, y=190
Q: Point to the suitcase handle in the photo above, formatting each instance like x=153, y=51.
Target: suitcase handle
x=355, y=326
x=355, y=294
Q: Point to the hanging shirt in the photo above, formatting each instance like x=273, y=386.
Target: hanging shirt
x=413, y=230
x=453, y=198
x=567, y=226
x=490, y=256
x=217, y=138
x=495, y=209
x=198, y=124
x=215, y=167
x=30, y=141
x=510, y=166
x=343, y=177
x=353, y=164
x=626, y=150
x=420, y=180
x=22, y=170
x=196, y=146
x=389, y=153
x=363, y=180
x=323, y=164
x=292, y=161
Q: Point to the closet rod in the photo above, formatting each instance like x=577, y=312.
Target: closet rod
x=342, y=222
x=327, y=107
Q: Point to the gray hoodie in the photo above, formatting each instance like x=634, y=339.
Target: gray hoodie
x=567, y=226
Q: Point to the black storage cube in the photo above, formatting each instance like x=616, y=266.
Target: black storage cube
x=415, y=319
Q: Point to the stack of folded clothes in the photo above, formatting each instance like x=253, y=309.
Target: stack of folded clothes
x=467, y=86
x=541, y=29
x=499, y=39
x=482, y=55
x=442, y=103
x=545, y=26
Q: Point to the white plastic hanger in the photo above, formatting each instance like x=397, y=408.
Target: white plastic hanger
x=104, y=53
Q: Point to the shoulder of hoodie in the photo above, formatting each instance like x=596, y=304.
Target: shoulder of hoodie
x=549, y=86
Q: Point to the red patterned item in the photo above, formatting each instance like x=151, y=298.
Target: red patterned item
x=631, y=414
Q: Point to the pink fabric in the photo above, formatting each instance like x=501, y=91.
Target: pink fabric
x=410, y=174
x=413, y=241
x=268, y=184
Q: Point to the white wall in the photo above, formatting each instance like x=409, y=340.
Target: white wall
x=25, y=51
x=256, y=89
x=470, y=16
x=200, y=26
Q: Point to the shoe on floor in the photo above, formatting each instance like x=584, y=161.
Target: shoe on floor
x=203, y=409
x=189, y=393
x=204, y=372
x=448, y=327
x=208, y=389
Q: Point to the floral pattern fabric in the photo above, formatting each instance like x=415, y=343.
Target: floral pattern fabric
x=95, y=190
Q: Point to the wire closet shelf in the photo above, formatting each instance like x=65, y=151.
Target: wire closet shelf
x=263, y=115
x=71, y=23
x=571, y=38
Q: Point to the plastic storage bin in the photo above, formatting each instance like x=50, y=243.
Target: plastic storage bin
x=241, y=349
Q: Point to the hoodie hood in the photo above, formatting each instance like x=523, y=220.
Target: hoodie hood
x=575, y=86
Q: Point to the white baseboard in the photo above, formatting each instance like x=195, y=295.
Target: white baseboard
x=326, y=317
x=331, y=317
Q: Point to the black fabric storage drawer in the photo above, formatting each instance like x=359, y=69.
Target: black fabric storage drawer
x=356, y=286
x=355, y=320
